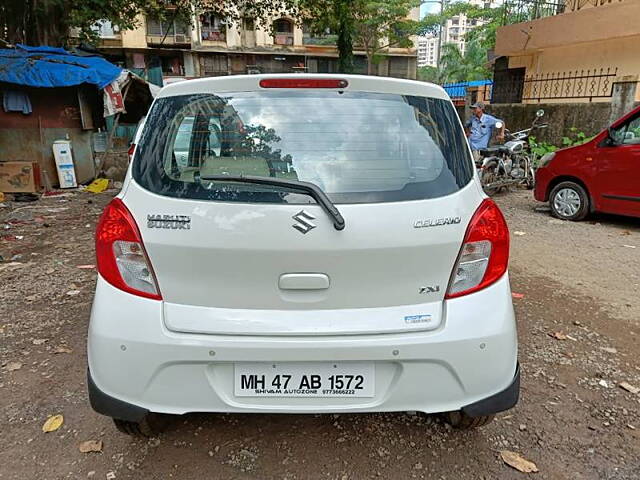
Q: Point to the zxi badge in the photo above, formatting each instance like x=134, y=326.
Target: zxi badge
x=429, y=289
x=303, y=220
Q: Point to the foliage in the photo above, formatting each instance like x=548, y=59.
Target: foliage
x=491, y=19
x=48, y=23
x=345, y=28
x=333, y=15
x=30, y=21
x=431, y=74
x=459, y=67
x=540, y=148
x=456, y=67
x=575, y=138
x=484, y=35
x=380, y=24
x=372, y=24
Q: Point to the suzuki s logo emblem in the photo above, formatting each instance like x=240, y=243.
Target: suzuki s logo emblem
x=303, y=220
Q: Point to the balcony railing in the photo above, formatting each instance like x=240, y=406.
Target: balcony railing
x=516, y=11
x=319, y=39
x=214, y=36
x=169, y=39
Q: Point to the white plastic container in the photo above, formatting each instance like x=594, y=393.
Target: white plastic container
x=64, y=163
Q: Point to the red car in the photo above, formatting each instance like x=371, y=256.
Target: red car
x=602, y=175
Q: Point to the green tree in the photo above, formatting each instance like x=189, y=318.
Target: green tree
x=459, y=67
x=335, y=15
x=381, y=24
x=49, y=22
x=345, y=31
x=431, y=74
x=373, y=24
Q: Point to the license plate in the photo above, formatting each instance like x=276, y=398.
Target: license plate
x=345, y=379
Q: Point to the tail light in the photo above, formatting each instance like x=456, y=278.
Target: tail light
x=121, y=257
x=132, y=148
x=303, y=82
x=484, y=255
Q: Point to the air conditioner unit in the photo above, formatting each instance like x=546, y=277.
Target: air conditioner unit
x=180, y=38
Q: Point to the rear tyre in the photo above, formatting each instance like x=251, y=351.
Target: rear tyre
x=569, y=201
x=150, y=426
x=461, y=421
x=487, y=178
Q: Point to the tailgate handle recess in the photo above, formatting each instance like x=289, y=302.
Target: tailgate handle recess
x=303, y=281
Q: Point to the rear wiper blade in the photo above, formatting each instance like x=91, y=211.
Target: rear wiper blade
x=309, y=188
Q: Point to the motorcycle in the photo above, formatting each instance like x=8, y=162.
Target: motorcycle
x=511, y=163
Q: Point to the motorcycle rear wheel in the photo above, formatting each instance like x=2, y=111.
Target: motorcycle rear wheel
x=487, y=178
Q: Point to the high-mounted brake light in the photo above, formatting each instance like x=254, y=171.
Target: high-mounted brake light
x=121, y=258
x=303, y=83
x=484, y=255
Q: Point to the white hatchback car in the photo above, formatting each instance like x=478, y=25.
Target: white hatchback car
x=298, y=244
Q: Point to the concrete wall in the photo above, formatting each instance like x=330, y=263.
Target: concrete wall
x=588, y=118
x=136, y=38
x=603, y=23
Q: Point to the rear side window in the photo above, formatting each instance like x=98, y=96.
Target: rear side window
x=358, y=147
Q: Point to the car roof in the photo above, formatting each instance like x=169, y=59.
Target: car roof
x=362, y=83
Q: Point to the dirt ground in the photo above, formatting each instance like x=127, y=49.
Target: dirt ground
x=577, y=290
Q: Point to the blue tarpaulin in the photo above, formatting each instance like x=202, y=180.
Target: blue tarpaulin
x=54, y=67
x=457, y=90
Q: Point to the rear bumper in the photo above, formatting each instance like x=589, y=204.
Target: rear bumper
x=112, y=407
x=137, y=365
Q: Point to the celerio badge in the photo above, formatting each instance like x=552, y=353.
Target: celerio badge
x=170, y=222
x=431, y=222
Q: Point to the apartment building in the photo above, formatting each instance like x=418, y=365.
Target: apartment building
x=162, y=51
x=457, y=27
x=428, y=51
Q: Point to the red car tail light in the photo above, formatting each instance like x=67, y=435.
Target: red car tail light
x=132, y=148
x=484, y=256
x=121, y=258
x=303, y=83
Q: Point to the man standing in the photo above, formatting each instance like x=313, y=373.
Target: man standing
x=480, y=127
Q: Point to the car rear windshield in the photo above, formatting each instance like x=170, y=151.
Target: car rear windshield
x=358, y=147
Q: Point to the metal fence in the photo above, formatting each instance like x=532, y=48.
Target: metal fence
x=516, y=11
x=570, y=85
x=578, y=4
